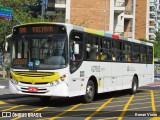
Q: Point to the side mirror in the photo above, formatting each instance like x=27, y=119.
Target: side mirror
x=76, y=48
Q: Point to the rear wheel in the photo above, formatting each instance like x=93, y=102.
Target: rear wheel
x=134, y=85
x=90, y=92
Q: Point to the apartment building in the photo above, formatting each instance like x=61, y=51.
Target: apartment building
x=158, y=15
x=129, y=18
x=153, y=20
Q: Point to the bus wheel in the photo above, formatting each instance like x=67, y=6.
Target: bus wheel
x=45, y=98
x=134, y=86
x=90, y=92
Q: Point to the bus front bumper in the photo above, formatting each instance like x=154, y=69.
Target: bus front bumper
x=60, y=90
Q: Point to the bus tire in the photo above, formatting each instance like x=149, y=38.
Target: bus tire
x=90, y=92
x=45, y=98
x=134, y=86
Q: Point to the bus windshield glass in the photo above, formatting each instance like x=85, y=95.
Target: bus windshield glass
x=45, y=51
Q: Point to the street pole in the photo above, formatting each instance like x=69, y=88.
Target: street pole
x=16, y=19
x=43, y=4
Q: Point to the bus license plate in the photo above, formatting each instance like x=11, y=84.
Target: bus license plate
x=32, y=89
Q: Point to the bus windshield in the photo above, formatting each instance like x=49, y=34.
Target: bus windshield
x=39, y=52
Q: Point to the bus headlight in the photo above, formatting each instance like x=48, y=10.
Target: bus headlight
x=57, y=82
x=14, y=81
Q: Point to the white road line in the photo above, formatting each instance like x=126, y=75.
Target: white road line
x=2, y=87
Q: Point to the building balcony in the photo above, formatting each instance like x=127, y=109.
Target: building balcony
x=152, y=19
x=128, y=34
x=152, y=4
x=153, y=27
x=152, y=37
x=128, y=10
x=152, y=31
x=119, y=6
x=152, y=23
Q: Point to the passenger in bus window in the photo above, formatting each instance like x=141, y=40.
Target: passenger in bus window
x=101, y=56
x=109, y=55
x=113, y=57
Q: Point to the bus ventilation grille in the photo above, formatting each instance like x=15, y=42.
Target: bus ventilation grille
x=34, y=74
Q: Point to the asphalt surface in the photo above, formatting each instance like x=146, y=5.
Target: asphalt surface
x=5, y=93
x=108, y=106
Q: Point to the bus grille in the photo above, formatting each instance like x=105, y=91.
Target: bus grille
x=34, y=74
x=40, y=90
x=42, y=83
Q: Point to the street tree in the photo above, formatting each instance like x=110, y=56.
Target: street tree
x=157, y=46
x=21, y=15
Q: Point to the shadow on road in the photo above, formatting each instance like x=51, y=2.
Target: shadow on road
x=59, y=101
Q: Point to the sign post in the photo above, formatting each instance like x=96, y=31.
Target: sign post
x=6, y=13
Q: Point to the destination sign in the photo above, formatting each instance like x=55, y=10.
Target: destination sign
x=35, y=29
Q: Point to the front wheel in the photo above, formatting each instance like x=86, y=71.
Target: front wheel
x=134, y=86
x=90, y=92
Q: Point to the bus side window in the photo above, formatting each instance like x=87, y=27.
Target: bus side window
x=92, y=47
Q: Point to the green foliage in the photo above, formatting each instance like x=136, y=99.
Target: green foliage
x=158, y=36
x=20, y=16
x=157, y=46
x=7, y=67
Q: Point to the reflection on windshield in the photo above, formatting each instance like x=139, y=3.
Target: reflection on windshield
x=39, y=52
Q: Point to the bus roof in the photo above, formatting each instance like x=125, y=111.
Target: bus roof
x=93, y=31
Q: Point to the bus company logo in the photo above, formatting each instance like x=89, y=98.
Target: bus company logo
x=95, y=69
x=33, y=82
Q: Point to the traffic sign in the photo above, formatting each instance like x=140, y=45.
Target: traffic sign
x=4, y=18
x=6, y=9
x=5, y=13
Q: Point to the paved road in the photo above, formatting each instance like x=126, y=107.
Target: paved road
x=113, y=105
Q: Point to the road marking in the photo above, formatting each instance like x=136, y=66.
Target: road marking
x=1, y=102
x=13, y=107
x=99, y=109
x=152, y=100
x=153, y=106
x=2, y=87
x=125, y=108
x=58, y=116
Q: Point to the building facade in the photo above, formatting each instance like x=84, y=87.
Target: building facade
x=158, y=15
x=130, y=18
